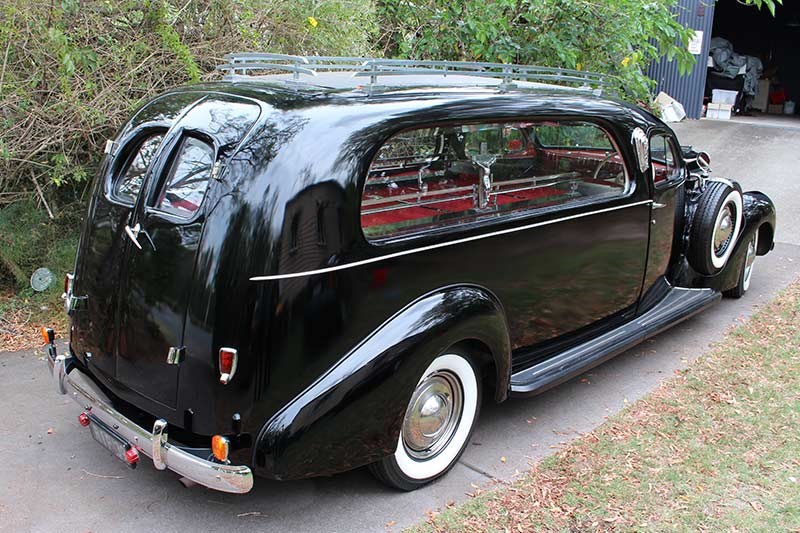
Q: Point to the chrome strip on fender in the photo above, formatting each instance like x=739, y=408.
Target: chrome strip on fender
x=276, y=277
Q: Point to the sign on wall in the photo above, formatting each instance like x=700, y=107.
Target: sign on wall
x=696, y=43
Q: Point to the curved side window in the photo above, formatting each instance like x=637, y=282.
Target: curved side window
x=129, y=181
x=444, y=176
x=663, y=159
x=187, y=179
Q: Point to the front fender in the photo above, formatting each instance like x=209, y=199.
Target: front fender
x=352, y=415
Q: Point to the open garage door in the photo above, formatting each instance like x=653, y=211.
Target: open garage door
x=755, y=59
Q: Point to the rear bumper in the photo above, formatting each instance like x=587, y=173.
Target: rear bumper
x=68, y=379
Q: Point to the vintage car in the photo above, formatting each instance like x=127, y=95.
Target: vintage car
x=318, y=264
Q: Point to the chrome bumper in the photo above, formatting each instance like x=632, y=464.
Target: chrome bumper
x=217, y=476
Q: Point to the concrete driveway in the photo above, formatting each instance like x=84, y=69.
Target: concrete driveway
x=55, y=478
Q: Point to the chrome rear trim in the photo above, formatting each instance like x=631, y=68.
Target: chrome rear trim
x=226, y=478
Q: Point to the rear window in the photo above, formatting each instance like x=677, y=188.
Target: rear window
x=437, y=177
x=129, y=182
x=187, y=179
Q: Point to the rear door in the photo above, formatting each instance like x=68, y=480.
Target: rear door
x=158, y=273
x=164, y=235
x=104, y=247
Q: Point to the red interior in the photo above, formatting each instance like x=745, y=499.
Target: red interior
x=660, y=171
x=548, y=162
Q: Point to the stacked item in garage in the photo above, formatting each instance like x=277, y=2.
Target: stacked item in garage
x=729, y=71
x=779, y=102
x=722, y=102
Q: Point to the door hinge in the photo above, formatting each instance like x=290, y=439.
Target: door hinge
x=175, y=356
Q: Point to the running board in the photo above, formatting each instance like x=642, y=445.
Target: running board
x=677, y=305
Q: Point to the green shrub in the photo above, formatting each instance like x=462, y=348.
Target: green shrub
x=617, y=37
x=29, y=240
x=74, y=70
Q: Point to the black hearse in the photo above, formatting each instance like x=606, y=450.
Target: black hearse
x=303, y=273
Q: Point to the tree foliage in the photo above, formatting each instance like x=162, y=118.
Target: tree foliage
x=619, y=37
x=771, y=5
x=72, y=71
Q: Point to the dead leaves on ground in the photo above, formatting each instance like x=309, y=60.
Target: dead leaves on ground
x=670, y=455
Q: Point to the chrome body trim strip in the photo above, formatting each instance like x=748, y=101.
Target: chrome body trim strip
x=226, y=478
x=506, y=231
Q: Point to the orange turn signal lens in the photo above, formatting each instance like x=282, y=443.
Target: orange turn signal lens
x=48, y=335
x=220, y=446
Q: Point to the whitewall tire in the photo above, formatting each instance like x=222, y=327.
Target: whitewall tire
x=716, y=226
x=746, y=272
x=727, y=225
x=437, y=425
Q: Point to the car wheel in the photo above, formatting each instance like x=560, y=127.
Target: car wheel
x=437, y=425
x=746, y=273
x=715, y=228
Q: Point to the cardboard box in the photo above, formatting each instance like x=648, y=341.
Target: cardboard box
x=775, y=109
x=721, y=96
x=671, y=109
x=719, y=111
x=761, y=101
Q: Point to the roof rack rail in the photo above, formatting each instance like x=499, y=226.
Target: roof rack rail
x=245, y=64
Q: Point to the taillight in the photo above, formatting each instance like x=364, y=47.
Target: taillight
x=227, y=364
x=83, y=419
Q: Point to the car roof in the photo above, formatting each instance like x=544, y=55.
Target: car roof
x=329, y=129
x=420, y=93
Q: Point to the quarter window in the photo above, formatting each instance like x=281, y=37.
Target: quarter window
x=129, y=184
x=445, y=176
x=187, y=180
x=662, y=159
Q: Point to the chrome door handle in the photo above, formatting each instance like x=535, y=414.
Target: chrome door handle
x=133, y=234
x=657, y=205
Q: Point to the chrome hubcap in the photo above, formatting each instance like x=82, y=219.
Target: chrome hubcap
x=724, y=231
x=433, y=414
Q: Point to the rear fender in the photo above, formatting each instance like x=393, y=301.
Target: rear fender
x=352, y=415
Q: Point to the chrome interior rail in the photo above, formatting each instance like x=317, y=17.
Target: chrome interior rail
x=437, y=196
x=418, y=195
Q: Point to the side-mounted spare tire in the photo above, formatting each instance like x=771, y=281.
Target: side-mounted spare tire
x=716, y=226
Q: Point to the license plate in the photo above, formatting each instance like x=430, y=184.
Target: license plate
x=111, y=441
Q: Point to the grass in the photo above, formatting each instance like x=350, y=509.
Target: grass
x=717, y=449
x=29, y=240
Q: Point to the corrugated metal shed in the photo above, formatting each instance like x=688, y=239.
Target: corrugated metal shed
x=689, y=89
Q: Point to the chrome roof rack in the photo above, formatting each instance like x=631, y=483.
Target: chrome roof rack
x=242, y=65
